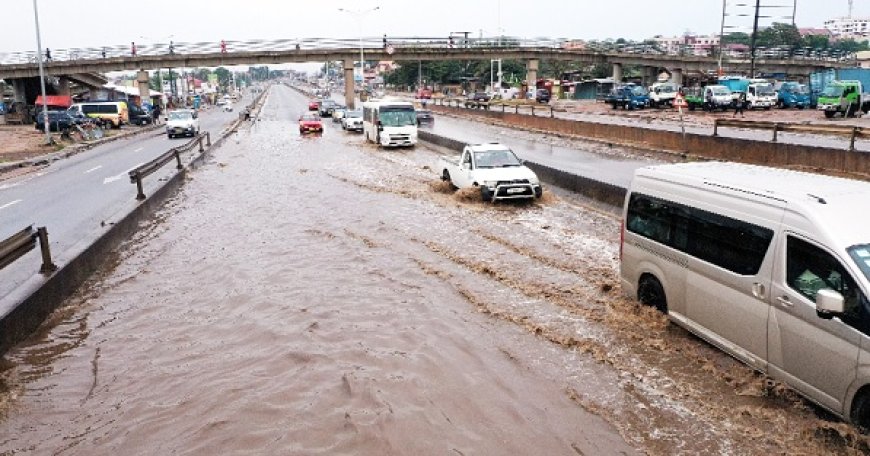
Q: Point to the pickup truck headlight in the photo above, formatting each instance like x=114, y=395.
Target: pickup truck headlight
x=490, y=184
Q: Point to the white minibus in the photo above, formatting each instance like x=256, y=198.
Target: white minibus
x=770, y=265
x=390, y=123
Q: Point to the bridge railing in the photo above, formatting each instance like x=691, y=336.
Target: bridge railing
x=439, y=42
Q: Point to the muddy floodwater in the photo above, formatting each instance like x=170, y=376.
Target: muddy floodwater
x=316, y=295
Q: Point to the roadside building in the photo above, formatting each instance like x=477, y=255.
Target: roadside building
x=856, y=28
x=863, y=58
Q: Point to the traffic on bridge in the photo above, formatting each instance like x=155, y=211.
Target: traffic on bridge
x=399, y=239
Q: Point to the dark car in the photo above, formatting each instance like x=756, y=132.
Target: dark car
x=138, y=115
x=425, y=118
x=542, y=96
x=479, y=96
x=57, y=121
x=326, y=107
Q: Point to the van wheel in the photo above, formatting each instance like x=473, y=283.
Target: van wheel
x=860, y=413
x=651, y=293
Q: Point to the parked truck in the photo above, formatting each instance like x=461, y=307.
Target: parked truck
x=662, y=94
x=708, y=98
x=791, y=94
x=759, y=92
x=844, y=97
x=628, y=96
x=493, y=168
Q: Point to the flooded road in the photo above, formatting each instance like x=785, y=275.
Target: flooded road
x=317, y=295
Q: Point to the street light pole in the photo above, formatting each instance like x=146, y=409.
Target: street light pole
x=358, y=14
x=41, y=75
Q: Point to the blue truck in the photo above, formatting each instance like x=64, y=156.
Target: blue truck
x=792, y=94
x=628, y=96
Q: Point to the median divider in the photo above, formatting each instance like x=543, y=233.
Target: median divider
x=848, y=131
x=604, y=192
x=27, y=306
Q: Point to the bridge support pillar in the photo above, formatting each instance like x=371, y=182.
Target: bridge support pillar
x=144, y=91
x=532, y=73
x=19, y=93
x=349, y=83
x=63, y=86
x=649, y=76
x=617, y=73
x=677, y=76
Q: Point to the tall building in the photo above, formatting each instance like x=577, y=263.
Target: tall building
x=856, y=28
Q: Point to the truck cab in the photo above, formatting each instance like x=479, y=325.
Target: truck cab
x=628, y=96
x=760, y=95
x=662, y=94
x=844, y=97
x=793, y=95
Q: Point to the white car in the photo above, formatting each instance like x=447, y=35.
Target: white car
x=495, y=169
x=182, y=122
x=352, y=120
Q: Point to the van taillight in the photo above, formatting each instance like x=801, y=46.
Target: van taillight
x=621, y=238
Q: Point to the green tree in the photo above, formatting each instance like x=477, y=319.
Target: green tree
x=778, y=34
x=736, y=38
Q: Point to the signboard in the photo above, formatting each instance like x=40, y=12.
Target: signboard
x=680, y=101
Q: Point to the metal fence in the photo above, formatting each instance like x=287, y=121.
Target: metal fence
x=845, y=131
x=17, y=245
x=142, y=171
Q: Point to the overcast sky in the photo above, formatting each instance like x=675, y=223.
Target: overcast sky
x=89, y=23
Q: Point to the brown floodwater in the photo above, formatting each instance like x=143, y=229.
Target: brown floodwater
x=316, y=295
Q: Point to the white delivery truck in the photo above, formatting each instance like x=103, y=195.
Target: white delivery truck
x=770, y=265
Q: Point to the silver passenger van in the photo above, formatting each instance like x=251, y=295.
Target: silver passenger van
x=770, y=265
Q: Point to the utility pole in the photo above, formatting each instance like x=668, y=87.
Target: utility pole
x=752, y=40
x=722, y=37
x=41, y=75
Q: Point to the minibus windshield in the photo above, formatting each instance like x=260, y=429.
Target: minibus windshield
x=861, y=256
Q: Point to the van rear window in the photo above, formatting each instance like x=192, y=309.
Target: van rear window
x=726, y=242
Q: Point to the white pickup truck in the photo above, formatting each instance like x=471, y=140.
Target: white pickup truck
x=494, y=168
x=182, y=122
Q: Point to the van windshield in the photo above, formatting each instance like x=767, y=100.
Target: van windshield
x=397, y=117
x=180, y=115
x=861, y=256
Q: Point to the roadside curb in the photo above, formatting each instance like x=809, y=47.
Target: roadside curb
x=39, y=296
x=73, y=150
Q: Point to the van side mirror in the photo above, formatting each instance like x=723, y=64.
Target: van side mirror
x=829, y=304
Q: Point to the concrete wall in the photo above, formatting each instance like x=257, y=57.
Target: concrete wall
x=707, y=146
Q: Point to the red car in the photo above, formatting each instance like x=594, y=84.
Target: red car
x=314, y=105
x=310, y=123
x=424, y=94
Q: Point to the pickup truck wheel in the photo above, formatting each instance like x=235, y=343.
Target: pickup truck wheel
x=539, y=191
x=860, y=413
x=485, y=194
x=850, y=112
x=829, y=114
x=651, y=293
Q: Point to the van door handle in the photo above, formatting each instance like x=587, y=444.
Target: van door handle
x=758, y=290
x=784, y=301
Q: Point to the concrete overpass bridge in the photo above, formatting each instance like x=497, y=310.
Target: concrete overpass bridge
x=212, y=54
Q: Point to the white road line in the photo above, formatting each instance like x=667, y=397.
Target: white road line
x=139, y=149
x=93, y=169
x=120, y=176
x=9, y=204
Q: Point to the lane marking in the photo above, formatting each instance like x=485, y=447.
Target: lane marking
x=93, y=169
x=139, y=149
x=120, y=176
x=10, y=204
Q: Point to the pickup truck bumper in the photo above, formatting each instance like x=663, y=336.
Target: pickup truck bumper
x=505, y=191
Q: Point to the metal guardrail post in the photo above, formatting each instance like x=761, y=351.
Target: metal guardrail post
x=716, y=127
x=47, y=266
x=178, y=157
x=533, y=110
x=551, y=112
x=775, y=131
x=140, y=195
x=516, y=109
x=199, y=141
x=503, y=107
x=852, y=138
x=208, y=139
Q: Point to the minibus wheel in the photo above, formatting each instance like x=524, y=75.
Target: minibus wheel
x=651, y=293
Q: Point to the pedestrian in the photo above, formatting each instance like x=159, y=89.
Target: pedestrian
x=133, y=48
x=297, y=46
x=103, y=52
x=450, y=42
x=740, y=104
x=223, y=47
x=385, y=40
x=48, y=54
x=155, y=113
x=171, y=47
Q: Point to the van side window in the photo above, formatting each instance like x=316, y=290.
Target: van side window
x=728, y=243
x=810, y=269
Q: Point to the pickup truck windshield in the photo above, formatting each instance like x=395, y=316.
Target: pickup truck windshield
x=765, y=90
x=720, y=91
x=496, y=159
x=353, y=114
x=802, y=89
x=397, y=117
x=832, y=91
x=639, y=91
x=666, y=89
x=861, y=256
x=180, y=116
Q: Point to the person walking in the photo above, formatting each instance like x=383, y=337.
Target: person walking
x=48, y=54
x=223, y=47
x=103, y=52
x=133, y=48
x=171, y=47
x=740, y=104
x=155, y=113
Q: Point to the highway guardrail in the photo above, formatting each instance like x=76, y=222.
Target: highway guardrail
x=142, y=171
x=17, y=245
x=848, y=131
x=489, y=105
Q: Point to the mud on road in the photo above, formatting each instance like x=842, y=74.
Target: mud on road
x=316, y=295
